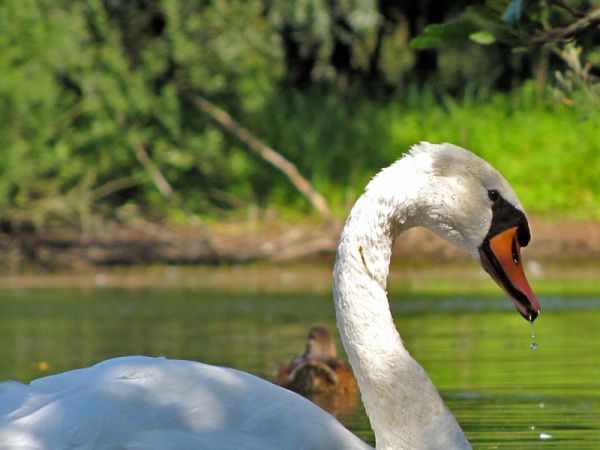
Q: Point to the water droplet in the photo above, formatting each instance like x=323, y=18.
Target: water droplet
x=534, y=346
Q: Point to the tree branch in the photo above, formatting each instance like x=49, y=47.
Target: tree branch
x=113, y=186
x=264, y=151
x=157, y=178
x=569, y=9
x=590, y=19
x=163, y=185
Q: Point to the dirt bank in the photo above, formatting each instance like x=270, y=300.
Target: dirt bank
x=239, y=243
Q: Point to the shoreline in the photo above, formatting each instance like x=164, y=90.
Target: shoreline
x=569, y=248
x=462, y=277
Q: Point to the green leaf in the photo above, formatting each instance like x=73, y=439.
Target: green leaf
x=486, y=19
x=439, y=34
x=482, y=37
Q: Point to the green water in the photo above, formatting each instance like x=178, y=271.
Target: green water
x=476, y=350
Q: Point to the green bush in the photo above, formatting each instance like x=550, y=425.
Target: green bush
x=83, y=85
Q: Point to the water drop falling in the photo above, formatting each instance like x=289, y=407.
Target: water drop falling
x=534, y=346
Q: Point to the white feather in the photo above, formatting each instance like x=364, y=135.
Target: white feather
x=146, y=403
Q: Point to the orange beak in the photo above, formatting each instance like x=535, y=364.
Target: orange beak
x=501, y=258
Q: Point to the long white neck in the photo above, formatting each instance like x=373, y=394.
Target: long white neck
x=405, y=409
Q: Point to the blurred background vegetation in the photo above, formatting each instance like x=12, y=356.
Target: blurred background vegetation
x=100, y=120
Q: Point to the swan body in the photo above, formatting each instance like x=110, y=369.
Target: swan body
x=137, y=402
x=147, y=403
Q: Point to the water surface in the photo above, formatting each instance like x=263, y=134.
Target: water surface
x=476, y=349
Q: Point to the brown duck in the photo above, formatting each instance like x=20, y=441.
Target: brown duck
x=317, y=370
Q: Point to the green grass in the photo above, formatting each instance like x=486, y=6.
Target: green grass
x=549, y=153
x=551, y=156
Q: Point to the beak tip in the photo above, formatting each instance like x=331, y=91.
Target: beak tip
x=532, y=315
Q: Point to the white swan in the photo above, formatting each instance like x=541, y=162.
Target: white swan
x=154, y=403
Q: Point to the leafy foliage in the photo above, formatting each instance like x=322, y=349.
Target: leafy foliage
x=576, y=85
x=336, y=87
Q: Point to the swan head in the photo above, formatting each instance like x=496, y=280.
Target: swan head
x=463, y=199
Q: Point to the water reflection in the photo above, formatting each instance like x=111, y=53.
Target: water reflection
x=475, y=349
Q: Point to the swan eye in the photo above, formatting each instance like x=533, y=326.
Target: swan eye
x=493, y=195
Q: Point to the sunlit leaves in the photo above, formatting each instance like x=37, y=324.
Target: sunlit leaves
x=482, y=37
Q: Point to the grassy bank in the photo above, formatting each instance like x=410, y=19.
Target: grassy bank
x=550, y=153
x=551, y=156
